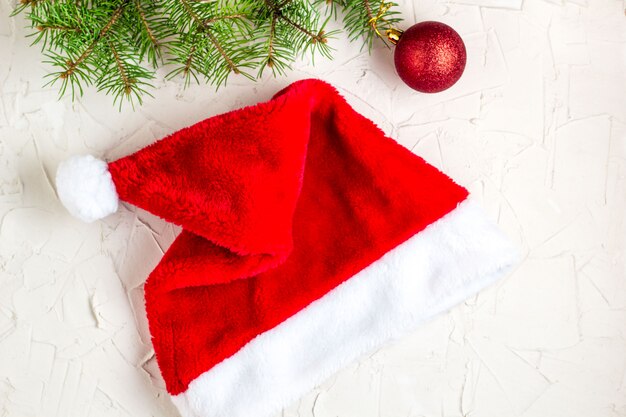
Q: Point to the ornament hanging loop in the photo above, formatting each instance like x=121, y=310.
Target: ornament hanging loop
x=392, y=34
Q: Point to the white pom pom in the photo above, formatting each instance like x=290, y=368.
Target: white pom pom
x=85, y=188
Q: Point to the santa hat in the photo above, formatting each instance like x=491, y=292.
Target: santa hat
x=309, y=238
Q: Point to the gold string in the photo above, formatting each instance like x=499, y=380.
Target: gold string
x=392, y=34
x=384, y=7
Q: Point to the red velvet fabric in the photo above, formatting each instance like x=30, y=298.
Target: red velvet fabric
x=280, y=203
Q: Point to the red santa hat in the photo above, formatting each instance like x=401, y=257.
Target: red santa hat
x=309, y=238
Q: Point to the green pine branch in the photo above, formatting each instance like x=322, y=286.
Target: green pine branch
x=117, y=45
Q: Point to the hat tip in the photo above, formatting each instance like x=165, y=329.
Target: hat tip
x=86, y=189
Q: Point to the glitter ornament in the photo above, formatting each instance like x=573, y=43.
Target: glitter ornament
x=429, y=56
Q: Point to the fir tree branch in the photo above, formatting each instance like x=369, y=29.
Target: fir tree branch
x=283, y=4
x=144, y=21
x=116, y=45
x=218, y=18
x=314, y=38
x=277, y=11
x=191, y=13
x=189, y=60
x=368, y=9
x=127, y=84
x=152, y=31
x=203, y=26
x=73, y=64
x=44, y=27
x=223, y=53
x=271, y=40
x=121, y=75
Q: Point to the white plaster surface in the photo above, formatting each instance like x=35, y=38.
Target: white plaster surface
x=536, y=129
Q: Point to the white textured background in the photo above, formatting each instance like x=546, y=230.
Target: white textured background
x=536, y=129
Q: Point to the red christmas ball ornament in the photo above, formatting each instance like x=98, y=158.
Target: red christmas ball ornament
x=429, y=56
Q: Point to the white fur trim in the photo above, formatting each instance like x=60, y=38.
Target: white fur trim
x=437, y=268
x=85, y=188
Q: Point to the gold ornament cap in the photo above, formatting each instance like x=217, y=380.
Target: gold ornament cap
x=393, y=35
